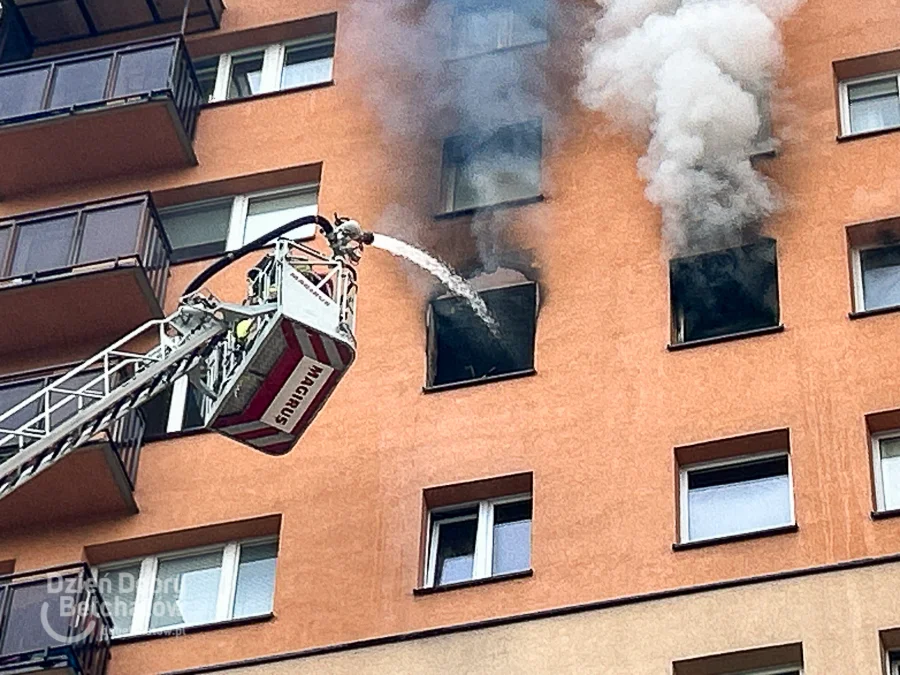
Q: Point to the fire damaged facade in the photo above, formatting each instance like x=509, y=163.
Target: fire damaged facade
x=653, y=428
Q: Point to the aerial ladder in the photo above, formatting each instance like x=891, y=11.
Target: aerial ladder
x=264, y=367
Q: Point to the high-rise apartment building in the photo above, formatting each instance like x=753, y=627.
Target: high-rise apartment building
x=669, y=456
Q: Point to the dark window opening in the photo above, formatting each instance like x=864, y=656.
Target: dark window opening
x=725, y=293
x=159, y=410
x=462, y=348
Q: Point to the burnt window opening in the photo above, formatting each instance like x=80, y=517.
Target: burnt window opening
x=488, y=168
x=725, y=292
x=461, y=347
x=176, y=409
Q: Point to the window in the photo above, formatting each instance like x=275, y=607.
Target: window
x=461, y=348
x=485, y=169
x=480, y=27
x=202, y=229
x=277, y=67
x=479, y=540
x=870, y=103
x=179, y=408
x=894, y=663
x=724, y=293
x=876, y=277
x=886, y=461
x=190, y=588
x=735, y=496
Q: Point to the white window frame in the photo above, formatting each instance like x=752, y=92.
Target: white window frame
x=684, y=472
x=876, y=466
x=484, y=537
x=844, y=91
x=240, y=204
x=146, y=584
x=859, y=291
x=272, y=70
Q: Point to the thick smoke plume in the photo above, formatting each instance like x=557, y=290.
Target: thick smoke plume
x=456, y=68
x=693, y=76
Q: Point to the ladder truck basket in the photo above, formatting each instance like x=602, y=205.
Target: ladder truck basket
x=294, y=357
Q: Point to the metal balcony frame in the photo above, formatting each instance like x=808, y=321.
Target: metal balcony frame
x=150, y=224
x=89, y=656
x=183, y=87
x=93, y=31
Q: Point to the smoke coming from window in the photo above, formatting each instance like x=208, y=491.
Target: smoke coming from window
x=690, y=76
x=460, y=70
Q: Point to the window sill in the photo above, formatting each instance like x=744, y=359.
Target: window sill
x=431, y=590
x=770, y=330
x=862, y=314
x=433, y=389
x=189, y=630
x=732, y=538
x=512, y=203
x=495, y=52
x=885, y=515
x=842, y=138
x=268, y=94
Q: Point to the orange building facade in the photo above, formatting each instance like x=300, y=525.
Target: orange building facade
x=573, y=510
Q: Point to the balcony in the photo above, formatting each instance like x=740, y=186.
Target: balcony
x=80, y=277
x=96, y=480
x=62, y=641
x=94, y=115
x=49, y=22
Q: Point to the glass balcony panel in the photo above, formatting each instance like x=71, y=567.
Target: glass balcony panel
x=144, y=71
x=26, y=629
x=66, y=410
x=80, y=82
x=22, y=93
x=43, y=245
x=110, y=233
x=11, y=396
x=5, y=234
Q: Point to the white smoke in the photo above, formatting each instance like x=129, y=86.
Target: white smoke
x=691, y=75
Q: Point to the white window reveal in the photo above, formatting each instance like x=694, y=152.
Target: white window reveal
x=479, y=540
x=870, y=103
x=886, y=459
x=211, y=227
x=262, y=70
x=876, y=276
x=190, y=588
x=736, y=496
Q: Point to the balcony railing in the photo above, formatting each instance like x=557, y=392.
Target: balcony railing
x=55, y=620
x=98, y=79
x=125, y=437
x=59, y=242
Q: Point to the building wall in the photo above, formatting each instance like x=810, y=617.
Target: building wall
x=598, y=423
x=836, y=618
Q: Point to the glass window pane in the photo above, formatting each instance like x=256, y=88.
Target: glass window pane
x=505, y=166
x=24, y=630
x=512, y=537
x=207, y=71
x=118, y=588
x=43, y=245
x=246, y=75
x=874, y=105
x=186, y=591
x=110, y=233
x=308, y=64
x=80, y=82
x=5, y=234
x=13, y=394
x=738, y=498
x=22, y=93
x=62, y=411
x=890, y=472
x=255, y=580
x=144, y=71
x=455, y=551
x=197, y=230
x=264, y=214
x=881, y=277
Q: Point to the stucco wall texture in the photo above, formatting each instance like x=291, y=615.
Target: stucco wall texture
x=598, y=423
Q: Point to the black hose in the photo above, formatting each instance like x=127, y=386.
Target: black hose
x=252, y=246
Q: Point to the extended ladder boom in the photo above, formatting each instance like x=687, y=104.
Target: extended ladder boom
x=265, y=367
